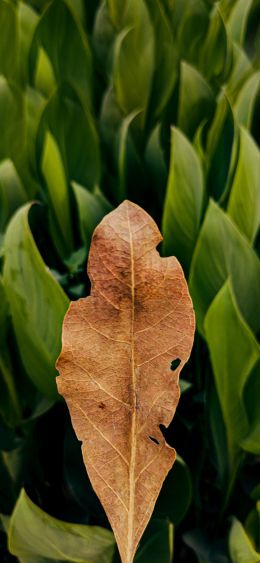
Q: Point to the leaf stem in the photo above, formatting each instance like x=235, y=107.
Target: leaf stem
x=230, y=488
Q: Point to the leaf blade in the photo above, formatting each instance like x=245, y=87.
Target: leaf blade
x=215, y=258
x=244, y=201
x=63, y=541
x=121, y=318
x=234, y=352
x=184, y=200
x=33, y=297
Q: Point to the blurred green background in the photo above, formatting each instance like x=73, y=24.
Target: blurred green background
x=157, y=101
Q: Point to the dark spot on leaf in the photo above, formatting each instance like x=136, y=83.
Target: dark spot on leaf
x=101, y=406
x=154, y=440
x=138, y=305
x=175, y=363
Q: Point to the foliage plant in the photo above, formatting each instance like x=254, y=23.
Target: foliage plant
x=156, y=101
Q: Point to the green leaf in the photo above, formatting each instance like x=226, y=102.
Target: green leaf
x=70, y=56
x=199, y=144
x=244, y=201
x=18, y=114
x=156, y=165
x=190, y=22
x=103, y=38
x=37, y=304
x=241, y=70
x=63, y=541
x=27, y=21
x=205, y=551
x=4, y=311
x=176, y=494
x=35, y=559
x=184, y=200
x=12, y=122
x=34, y=103
x=251, y=42
x=225, y=8
x=196, y=100
x=220, y=143
x=133, y=74
x=240, y=547
x=58, y=195
x=44, y=79
x=111, y=118
x=199, y=543
x=165, y=67
x=92, y=207
x=246, y=100
x=185, y=385
x=16, y=463
x=116, y=11
x=222, y=251
x=71, y=124
x=10, y=407
x=237, y=21
x=12, y=193
x=9, y=39
x=217, y=432
x=252, y=526
x=234, y=352
x=157, y=544
x=4, y=521
x=251, y=443
x=18, y=396
x=255, y=493
x=216, y=55
x=125, y=145
x=78, y=8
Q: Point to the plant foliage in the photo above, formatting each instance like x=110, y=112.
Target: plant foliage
x=158, y=102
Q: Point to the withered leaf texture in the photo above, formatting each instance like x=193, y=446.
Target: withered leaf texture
x=115, y=367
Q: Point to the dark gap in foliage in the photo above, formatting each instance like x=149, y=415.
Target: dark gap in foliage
x=256, y=121
x=71, y=274
x=251, y=44
x=55, y=478
x=38, y=221
x=5, y=556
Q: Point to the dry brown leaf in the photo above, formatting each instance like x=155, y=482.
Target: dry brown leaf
x=115, y=367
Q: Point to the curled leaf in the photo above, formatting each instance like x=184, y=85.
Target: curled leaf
x=115, y=365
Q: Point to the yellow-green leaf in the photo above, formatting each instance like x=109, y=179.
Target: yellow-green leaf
x=234, y=352
x=244, y=200
x=37, y=303
x=34, y=533
x=222, y=251
x=184, y=200
x=241, y=548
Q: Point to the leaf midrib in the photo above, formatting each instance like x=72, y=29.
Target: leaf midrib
x=133, y=426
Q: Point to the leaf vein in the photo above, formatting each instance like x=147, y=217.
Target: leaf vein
x=98, y=384
x=100, y=432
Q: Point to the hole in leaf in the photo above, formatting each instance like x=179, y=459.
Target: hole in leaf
x=101, y=406
x=154, y=440
x=175, y=363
